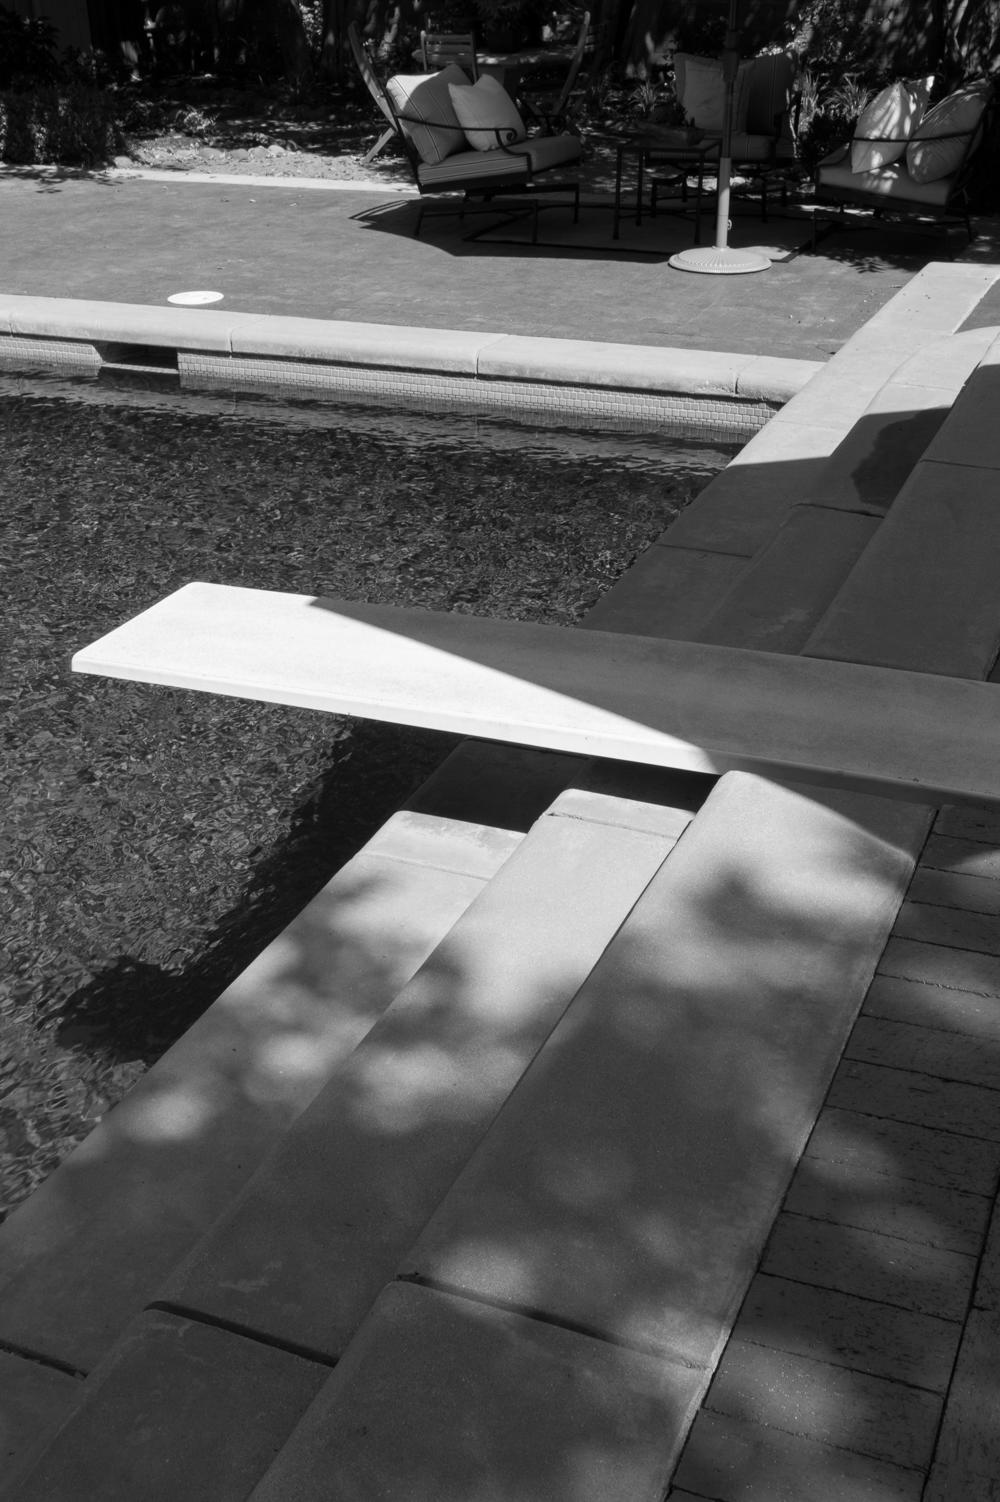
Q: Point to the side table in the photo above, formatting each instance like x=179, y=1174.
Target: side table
x=667, y=155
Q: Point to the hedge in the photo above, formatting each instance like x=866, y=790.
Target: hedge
x=73, y=125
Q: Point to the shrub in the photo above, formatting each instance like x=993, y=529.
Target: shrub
x=75, y=125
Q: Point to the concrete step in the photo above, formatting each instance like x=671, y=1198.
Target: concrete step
x=285, y=1278
x=177, y=1409
x=668, y=591
x=939, y=544
x=629, y=1183
x=872, y=462
x=34, y=1399
x=847, y=439
x=784, y=592
x=441, y=1400
x=303, y=1252
x=95, y=1438
x=968, y=436
x=91, y=1246
x=560, y=1314
x=633, y=698
x=777, y=598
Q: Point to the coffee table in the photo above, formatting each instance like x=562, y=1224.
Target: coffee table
x=668, y=155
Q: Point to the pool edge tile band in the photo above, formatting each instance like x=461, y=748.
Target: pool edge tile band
x=319, y=345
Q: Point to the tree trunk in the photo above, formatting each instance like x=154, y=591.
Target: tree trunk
x=293, y=41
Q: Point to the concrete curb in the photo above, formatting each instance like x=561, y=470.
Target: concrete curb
x=10, y=172
x=679, y=388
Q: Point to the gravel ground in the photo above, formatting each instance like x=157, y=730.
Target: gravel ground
x=181, y=153
x=226, y=131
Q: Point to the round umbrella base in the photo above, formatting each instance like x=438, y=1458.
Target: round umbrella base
x=719, y=260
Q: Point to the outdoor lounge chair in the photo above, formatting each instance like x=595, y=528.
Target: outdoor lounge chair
x=547, y=97
x=438, y=148
x=363, y=63
x=918, y=178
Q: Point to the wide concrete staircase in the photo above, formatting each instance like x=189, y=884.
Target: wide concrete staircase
x=523, y=1208
x=561, y=1149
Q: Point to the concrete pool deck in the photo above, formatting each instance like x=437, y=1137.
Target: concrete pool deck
x=547, y=1292
x=285, y=249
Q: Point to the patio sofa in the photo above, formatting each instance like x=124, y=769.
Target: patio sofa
x=906, y=162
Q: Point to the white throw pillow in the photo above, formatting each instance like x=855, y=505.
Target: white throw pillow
x=430, y=122
x=940, y=141
x=483, y=109
x=888, y=122
x=700, y=89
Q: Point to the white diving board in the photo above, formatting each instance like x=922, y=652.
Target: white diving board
x=595, y=693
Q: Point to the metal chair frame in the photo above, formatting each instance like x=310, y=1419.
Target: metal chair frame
x=438, y=48
x=557, y=117
x=366, y=67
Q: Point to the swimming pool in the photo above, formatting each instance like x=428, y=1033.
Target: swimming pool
x=155, y=840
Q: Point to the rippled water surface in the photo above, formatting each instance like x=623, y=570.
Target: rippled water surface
x=154, y=840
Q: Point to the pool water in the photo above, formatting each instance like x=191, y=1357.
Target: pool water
x=155, y=840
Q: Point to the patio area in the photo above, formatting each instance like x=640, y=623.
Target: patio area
x=322, y=249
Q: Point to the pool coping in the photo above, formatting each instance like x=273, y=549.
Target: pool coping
x=277, y=352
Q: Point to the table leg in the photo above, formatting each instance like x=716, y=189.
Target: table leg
x=638, y=187
x=618, y=194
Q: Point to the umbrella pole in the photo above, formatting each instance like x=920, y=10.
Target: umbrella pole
x=720, y=259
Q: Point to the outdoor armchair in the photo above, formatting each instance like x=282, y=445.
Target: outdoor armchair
x=546, y=98
x=439, y=48
x=364, y=65
x=502, y=160
x=763, y=146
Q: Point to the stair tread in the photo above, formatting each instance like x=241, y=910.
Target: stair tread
x=83, y=1254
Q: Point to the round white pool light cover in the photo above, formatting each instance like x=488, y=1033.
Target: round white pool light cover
x=195, y=299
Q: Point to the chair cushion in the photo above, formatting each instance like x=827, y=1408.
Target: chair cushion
x=885, y=125
x=700, y=89
x=544, y=152
x=467, y=168
x=880, y=186
x=426, y=115
x=483, y=109
x=769, y=87
x=760, y=92
x=942, y=138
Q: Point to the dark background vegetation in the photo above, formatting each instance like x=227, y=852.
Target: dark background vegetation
x=150, y=59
